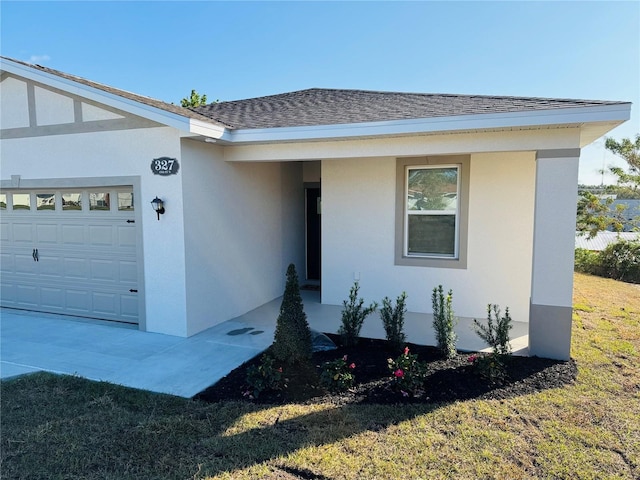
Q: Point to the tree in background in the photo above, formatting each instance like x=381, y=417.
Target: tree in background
x=594, y=214
x=194, y=100
x=627, y=182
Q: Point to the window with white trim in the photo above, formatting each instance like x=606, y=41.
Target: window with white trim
x=432, y=211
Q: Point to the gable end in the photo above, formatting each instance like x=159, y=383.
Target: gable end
x=32, y=109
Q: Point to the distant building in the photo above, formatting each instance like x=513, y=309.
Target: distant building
x=603, y=239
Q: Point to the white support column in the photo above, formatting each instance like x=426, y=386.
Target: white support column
x=553, y=251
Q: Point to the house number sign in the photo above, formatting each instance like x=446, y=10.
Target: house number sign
x=165, y=166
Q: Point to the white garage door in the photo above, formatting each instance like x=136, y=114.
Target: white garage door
x=70, y=251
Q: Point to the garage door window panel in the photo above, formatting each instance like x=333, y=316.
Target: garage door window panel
x=100, y=202
x=46, y=201
x=21, y=201
x=125, y=201
x=72, y=201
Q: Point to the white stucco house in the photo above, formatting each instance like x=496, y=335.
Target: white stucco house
x=476, y=193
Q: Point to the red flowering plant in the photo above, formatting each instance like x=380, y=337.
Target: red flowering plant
x=408, y=375
x=265, y=376
x=489, y=366
x=337, y=375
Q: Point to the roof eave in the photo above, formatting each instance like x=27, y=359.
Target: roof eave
x=612, y=114
x=600, y=119
x=210, y=130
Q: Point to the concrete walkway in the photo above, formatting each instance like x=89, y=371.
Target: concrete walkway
x=123, y=355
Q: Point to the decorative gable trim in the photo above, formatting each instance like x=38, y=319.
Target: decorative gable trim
x=109, y=118
x=80, y=127
x=190, y=123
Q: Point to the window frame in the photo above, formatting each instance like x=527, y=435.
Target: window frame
x=402, y=257
x=431, y=213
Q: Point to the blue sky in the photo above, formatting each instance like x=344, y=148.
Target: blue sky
x=234, y=50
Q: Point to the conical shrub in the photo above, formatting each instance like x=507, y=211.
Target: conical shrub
x=292, y=339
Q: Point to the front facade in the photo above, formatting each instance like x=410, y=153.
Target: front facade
x=481, y=203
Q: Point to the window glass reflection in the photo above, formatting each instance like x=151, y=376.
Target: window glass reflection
x=3, y=201
x=72, y=201
x=125, y=201
x=432, y=189
x=21, y=201
x=45, y=201
x=99, y=201
x=432, y=235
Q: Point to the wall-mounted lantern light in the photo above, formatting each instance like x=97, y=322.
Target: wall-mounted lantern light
x=158, y=206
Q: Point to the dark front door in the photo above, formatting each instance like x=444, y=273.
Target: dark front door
x=313, y=232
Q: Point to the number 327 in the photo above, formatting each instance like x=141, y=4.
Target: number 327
x=163, y=164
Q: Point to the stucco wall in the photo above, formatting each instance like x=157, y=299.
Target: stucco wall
x=358, y=225
x=311, y=171
x=244, y=223
x=15, y=108
x=448, y=143
x=124, y=153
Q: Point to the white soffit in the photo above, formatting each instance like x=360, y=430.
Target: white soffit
x=589, y=133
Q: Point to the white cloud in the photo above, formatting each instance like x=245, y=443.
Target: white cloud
x=39, y=58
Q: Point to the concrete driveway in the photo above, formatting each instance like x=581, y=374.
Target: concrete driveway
x=123, y=355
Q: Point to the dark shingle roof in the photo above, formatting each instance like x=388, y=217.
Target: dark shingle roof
x=318, y=106
x=169, y=107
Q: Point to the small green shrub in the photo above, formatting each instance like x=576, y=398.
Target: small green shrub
x=621, y=261
x=408, y=374
x=292, y=338
x=444, y=321
x=587, y=261
x=393, y=320
x=491, y=367
x=353, y=315
x=496, y=332
x=265, y=376
x=337, y=375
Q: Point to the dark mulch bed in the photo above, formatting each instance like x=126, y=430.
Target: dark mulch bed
x=448, y=379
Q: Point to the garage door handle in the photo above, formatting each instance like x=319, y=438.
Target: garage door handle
x=133, y=290
x=35, y=255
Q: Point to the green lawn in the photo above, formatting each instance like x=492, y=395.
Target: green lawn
x=66, y=427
